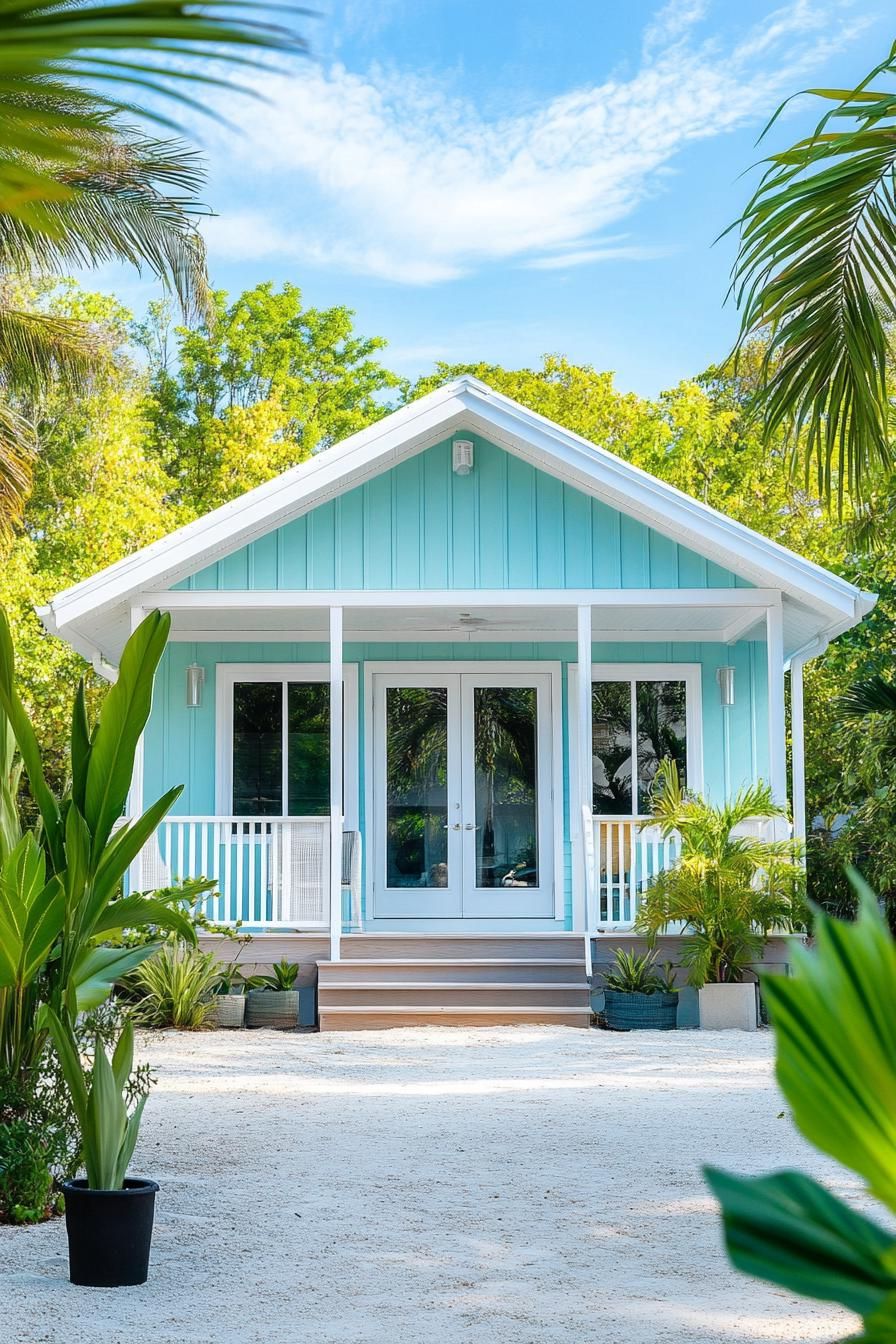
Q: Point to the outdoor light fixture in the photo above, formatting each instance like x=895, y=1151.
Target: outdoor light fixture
x=462, y=457
x=725, y=678
x=195, y=683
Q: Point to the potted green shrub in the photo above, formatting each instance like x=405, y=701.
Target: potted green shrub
x=637, y=997
x=273, y=1000
x=230, y=997
x=108, y=1214
x=728, y=892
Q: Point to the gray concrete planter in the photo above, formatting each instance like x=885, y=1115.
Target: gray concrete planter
x=230, y=1010
x=729, y=1008
x=277, y=1008
x=640, y=1012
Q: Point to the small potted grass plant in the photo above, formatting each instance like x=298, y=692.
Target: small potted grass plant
x=273, y=1000
x=638, y=996
x=230, y=997
x=108, y=1214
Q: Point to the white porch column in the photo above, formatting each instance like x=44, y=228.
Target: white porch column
x=777, y=729
x=135, y=793
x=582, y=794
x=798, y=749
x=336, y=781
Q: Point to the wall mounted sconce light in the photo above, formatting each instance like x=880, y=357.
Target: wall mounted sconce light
x=195, y=683
x=462, y=457
x=725, y=678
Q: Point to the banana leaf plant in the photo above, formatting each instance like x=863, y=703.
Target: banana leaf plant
x=61, y=901
x=835, y=1035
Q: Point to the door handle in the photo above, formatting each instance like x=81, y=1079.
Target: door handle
x=454, y=827
x=470, y=827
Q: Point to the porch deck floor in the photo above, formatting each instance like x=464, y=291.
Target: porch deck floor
x=527, y=1184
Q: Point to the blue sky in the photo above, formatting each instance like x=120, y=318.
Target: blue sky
x=496, y=179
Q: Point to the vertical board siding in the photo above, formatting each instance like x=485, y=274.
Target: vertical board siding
x=180, y=743
x=506, y=525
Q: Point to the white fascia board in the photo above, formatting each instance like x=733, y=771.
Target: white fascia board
x=235, y=599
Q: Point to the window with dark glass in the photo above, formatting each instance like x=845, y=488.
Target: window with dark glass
x=261, y=739
x=258, y=748
x=634, y=725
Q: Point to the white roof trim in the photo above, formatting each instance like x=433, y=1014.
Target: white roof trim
x=465, y=403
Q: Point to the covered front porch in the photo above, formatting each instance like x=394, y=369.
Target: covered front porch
x=474, y=761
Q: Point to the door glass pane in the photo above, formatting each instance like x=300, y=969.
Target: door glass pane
x=662, y=731
x=506, y=810
x=308, y=748
x=611, y=747
x=258, y=748
x=416, y=786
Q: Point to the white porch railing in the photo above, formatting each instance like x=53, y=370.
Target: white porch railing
x=628, y=852
x=268, y=871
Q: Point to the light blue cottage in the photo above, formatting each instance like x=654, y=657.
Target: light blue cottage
x=396, y=651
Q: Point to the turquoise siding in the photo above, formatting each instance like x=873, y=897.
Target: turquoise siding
x=506, y=525
x=419, y=526
x=180, y=742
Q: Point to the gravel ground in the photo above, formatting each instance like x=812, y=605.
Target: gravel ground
x=436, y=1185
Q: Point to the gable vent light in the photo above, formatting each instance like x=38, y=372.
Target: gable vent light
x=725, y=678
x=195, y=683
x=462, y=457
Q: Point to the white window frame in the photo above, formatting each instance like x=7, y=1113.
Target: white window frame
x=692, y=676
x=226, y=677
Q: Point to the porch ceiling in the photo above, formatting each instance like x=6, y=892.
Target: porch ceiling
x=466, y=623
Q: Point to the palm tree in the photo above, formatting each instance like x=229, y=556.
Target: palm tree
x=55, y=56
x=817, y=268
x=131, y=199
x=77, y=187
x=728, y=889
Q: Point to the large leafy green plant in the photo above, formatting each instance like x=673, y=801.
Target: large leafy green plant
x=61, y=901
x=730, y=890
x=835, y=1033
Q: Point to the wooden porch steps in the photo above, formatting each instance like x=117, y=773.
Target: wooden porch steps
x=449, y=990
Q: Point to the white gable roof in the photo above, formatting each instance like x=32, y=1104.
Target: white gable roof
x=79, y=613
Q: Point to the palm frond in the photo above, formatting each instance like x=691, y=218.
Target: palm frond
x=36, y=348
x=817, y=268
x=52, y=51
x=119, y=209
x=874, y=695
x=17, y=448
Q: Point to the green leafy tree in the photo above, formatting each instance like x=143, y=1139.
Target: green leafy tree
x=265, y=385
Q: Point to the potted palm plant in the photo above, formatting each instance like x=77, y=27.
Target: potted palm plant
x=637, y=996
x=728, y=892
x=108, y=1214
x=273, y=1000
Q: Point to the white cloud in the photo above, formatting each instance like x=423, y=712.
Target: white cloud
x=382, y=174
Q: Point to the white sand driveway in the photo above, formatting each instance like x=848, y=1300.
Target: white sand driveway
x=434, y=1186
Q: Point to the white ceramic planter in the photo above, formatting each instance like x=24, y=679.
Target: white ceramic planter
x=728, y=1008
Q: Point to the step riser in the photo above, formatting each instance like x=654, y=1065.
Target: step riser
x=333, y=1020
x=435, y=947
x=443, y=996
x=335, y=973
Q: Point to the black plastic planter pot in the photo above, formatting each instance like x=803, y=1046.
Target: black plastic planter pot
x=640, y=1012
x=109, y=1233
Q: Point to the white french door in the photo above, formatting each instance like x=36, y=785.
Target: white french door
x=462, y=823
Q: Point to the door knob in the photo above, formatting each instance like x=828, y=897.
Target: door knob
x=470, y=827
